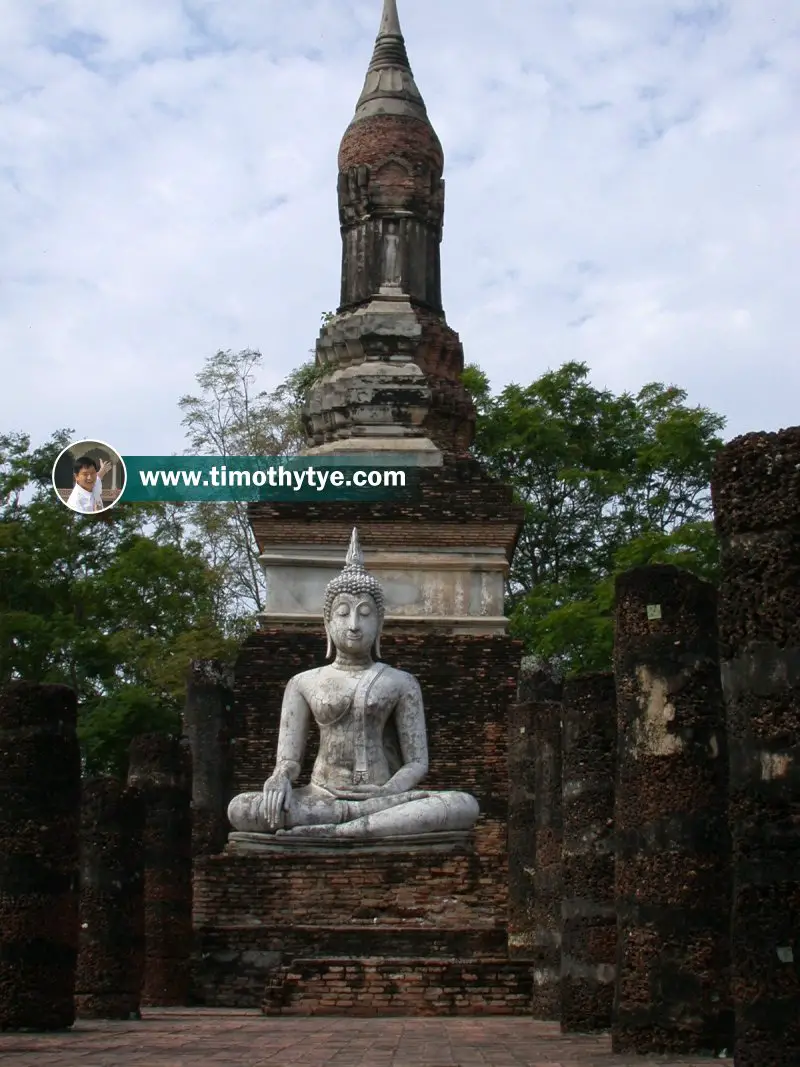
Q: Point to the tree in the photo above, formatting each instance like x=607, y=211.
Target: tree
x=107, y=604
x=606, y=482
x=231, y=417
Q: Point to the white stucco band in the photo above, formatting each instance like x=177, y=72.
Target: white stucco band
x=460, y=589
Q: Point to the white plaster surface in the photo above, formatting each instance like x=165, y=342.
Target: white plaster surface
x=444, y=586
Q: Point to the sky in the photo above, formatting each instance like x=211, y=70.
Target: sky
x=622, y=189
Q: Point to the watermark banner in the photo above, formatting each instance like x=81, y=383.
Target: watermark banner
x=277, y=478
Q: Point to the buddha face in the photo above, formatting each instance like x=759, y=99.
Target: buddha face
x=354, y=624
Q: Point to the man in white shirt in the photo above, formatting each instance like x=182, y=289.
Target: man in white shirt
x=87, y=493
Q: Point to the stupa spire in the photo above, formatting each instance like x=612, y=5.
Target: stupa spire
x=390, y=20
x=389, y=88
x=390, y=48
x=393, y=365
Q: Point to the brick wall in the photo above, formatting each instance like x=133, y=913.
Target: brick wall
x=455, y=505
x=380, y=986
x=467, y=684
x=373, y=141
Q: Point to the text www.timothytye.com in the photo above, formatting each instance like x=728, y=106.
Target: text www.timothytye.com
x=274, y=477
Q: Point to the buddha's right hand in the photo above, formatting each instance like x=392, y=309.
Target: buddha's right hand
x=277, y=794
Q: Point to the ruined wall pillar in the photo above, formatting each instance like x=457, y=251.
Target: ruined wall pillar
x=40, y=793
x=547, y=876
x=208, y=723
x=589, y=926
x=756, y=494
x=160, y=767
x=672, y=846
x=521, y=831
x=534, y=684
x=110, y=972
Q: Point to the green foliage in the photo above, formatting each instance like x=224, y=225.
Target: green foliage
x=571, y=623
x=116, y=605
x=295, y=389
x=111, y=605
x=607, y=482
x=109, y=723
x=478, y=386
x=230, y=416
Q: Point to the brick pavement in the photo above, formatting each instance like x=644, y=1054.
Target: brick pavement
x=206, y=1038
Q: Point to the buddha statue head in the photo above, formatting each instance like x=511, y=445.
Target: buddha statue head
x=353, y=607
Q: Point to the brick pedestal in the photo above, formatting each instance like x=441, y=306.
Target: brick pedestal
x=401, y=986
x=292, y=919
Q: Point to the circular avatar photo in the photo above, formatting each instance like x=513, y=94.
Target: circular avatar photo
x=89, y=476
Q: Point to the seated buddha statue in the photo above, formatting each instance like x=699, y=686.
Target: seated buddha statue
x=373, y=750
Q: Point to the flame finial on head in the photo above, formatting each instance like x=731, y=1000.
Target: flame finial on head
x=354, y=560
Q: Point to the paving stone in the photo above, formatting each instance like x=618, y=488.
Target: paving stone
x=213, y=1038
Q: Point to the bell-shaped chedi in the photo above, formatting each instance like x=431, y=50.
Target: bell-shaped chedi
x=392, y=366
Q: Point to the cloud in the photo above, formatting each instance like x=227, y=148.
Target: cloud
x=621, y=189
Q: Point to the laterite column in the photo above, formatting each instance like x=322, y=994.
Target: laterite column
x=672, y=845
x=40, y=795
x=589, y=925
x=207, y=723
x=538, y=680
x=161, y=768
x=521, y=831
x=110, y=973
x=547, y=877
x=535, y=684
x=756, y=494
